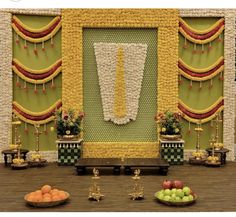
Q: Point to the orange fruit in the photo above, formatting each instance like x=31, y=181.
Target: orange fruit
x=46, y=199
x=30, y=197
x=38, y=198
x=47, y=195
x=62, y=195
x=55, y=198
x=38, y=192
x=46, y=189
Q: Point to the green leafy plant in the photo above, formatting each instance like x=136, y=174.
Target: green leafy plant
x=68, y=122
x=169, y=123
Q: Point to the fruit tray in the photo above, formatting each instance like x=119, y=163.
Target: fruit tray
x=47, y=204
x=170, y=203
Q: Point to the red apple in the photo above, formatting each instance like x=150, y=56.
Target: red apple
x=177, y=184
x=167, y=184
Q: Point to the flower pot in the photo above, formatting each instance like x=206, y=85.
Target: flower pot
x=171, y=137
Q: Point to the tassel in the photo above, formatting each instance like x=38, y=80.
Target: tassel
x=52, y=43
x=211, y=124
x=44, y=89
x=35, y=89
x=209, y=46
x=43, y=46
x=219, y=39
x=17, y=39
x=194, y=49
x=180, y=79
x=52, y=85
x=26, y=128
x=200, y=85
x=203, y=51
x=25, y=45
x=25, y=86
x=191, y=84
x=211, y=83
x=221, y=76
x=18, y=81
x=45, y=129
x=189, y=127
x=185, y=44
x=35, y=49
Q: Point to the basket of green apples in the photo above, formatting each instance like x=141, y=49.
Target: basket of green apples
x=175, y=193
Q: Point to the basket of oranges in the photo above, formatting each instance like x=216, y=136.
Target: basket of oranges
x=46, y=197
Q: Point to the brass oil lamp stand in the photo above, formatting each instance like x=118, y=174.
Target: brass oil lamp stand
x=36, y=158
x=138, y=190
x=213, y=160
x=17, y=162
x=94, y=190
x=198, y=156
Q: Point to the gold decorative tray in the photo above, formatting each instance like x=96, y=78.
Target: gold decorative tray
x=47, y=204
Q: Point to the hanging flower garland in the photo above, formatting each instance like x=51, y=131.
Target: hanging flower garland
x=195, y=74
x=34, y=76
x=201, y=36
x=36, y=35
x=36, y=117
x=120, y=71
x=205, y=115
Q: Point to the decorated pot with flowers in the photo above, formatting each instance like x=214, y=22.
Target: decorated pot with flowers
x=68, y=123
x=169, y=125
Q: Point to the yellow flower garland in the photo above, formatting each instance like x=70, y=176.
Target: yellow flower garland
x=197, y=41
x=199, y=31
x=39, y=29
x=201, y=111
x=36, y=71
x=34, y=81
x=196, y=121
x=37, y=40
x=120, y=93
x=36, y=113
x=202, y=70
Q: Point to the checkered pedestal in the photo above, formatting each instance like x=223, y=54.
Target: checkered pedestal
x=172, y=151
x=68, y=152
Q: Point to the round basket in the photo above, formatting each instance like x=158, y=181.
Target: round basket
x=47, y=204
x=169, y=203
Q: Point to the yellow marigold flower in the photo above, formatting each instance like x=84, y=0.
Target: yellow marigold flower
x=163, y=129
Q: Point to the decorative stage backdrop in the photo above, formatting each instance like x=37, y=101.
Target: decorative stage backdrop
x=54, y=58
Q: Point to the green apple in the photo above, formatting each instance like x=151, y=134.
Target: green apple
x=179, y=193
x=177, y=199
x=167, y=192
x=190, y=197
x=185, y=199
x=186, y=190
x=173, y=196
x=167, y=198
x=173, y=190
x=160, y=196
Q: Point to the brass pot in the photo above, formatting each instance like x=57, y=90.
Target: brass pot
x=170, y=137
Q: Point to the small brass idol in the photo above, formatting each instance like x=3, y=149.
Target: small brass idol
x=94, y=190
x=138, y=190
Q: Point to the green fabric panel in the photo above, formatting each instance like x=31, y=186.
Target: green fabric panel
x=95, y=128
x=30, y=100
x=196, y=98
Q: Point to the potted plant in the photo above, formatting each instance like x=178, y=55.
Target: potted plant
x=68, y=123
x=169, y=125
